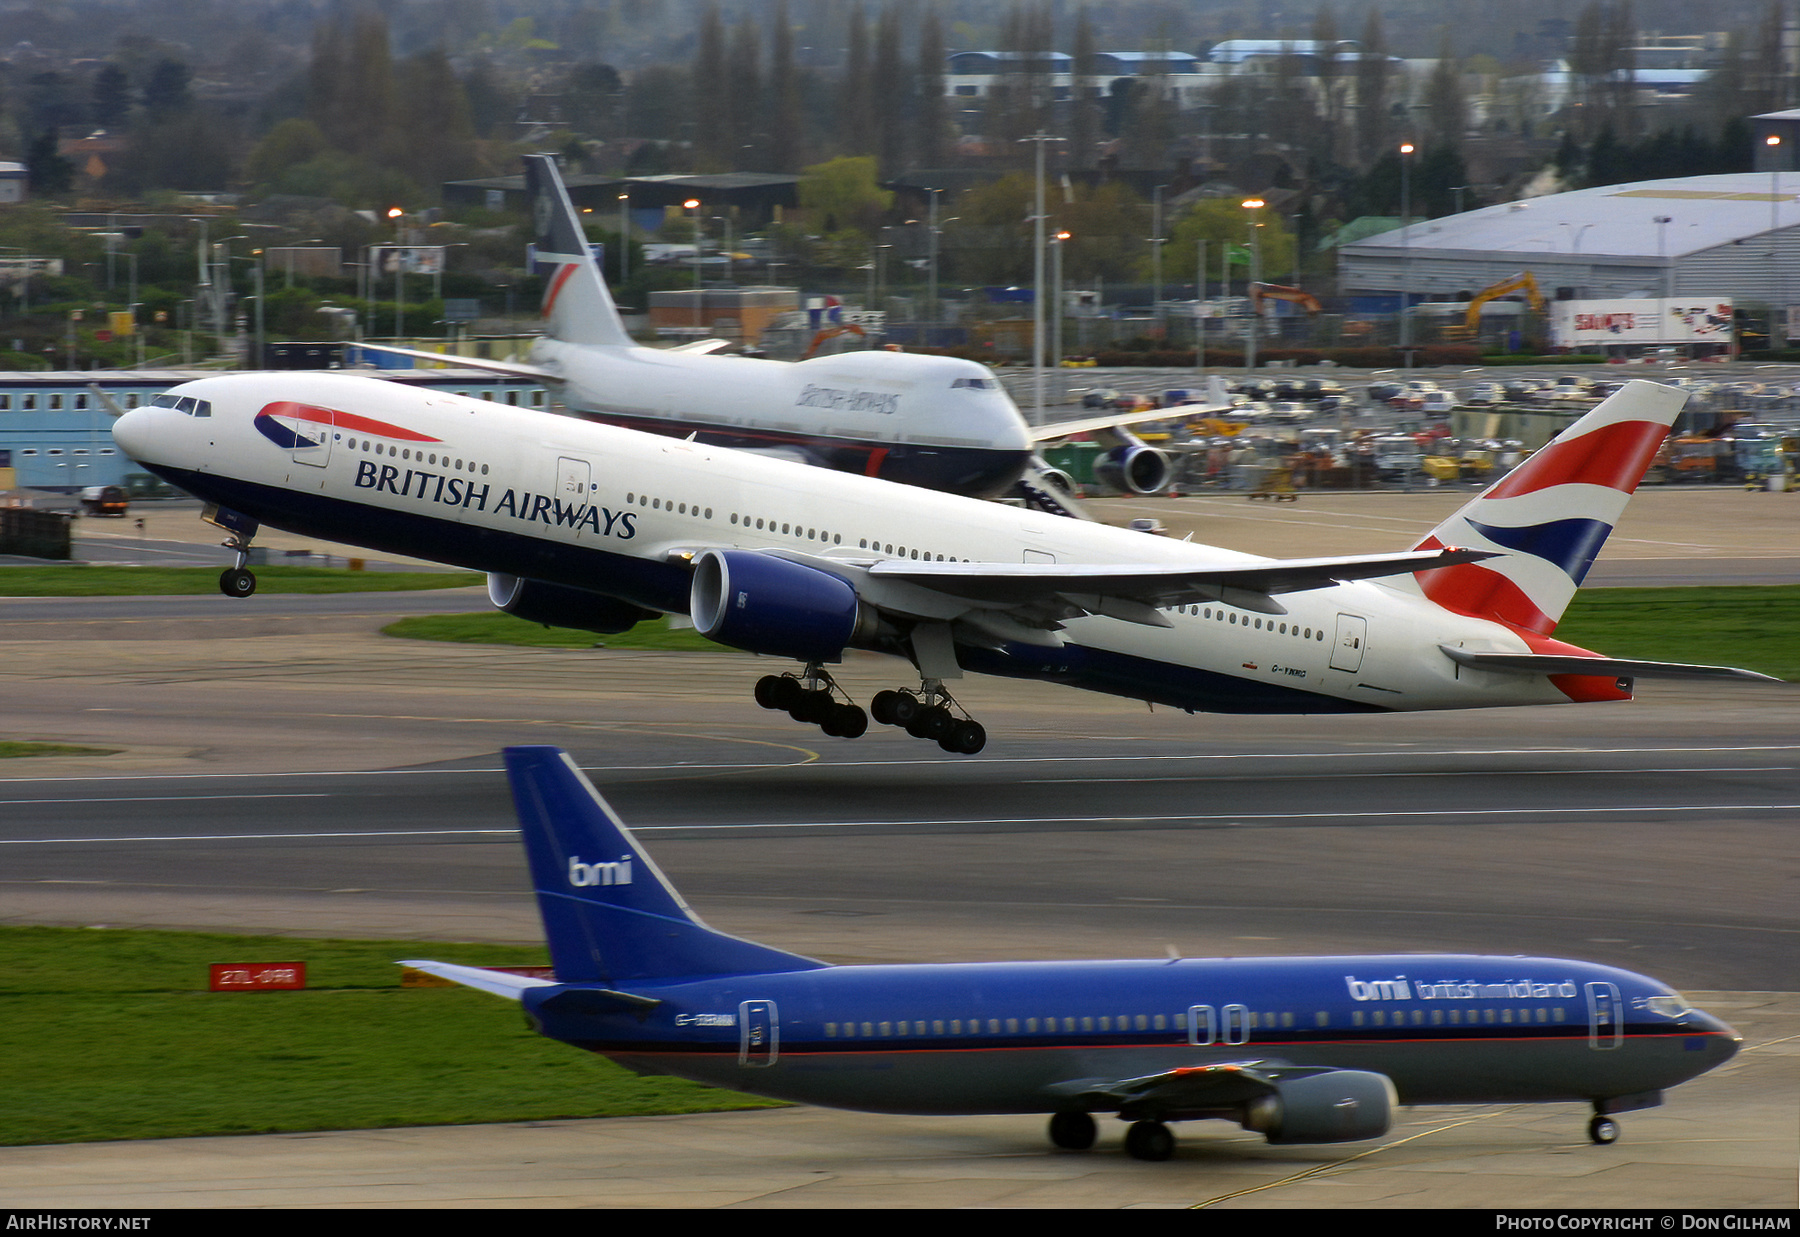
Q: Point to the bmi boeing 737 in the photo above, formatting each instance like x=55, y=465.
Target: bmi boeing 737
x=1300, y=1050
x=593, y=527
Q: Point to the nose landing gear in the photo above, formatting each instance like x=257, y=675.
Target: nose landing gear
x=239, y=580
x=926, y=714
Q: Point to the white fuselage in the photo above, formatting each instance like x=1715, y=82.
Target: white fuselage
x=467, y=482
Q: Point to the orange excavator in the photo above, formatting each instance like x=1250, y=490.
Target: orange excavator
x=1281, y=292
x=1521, y=282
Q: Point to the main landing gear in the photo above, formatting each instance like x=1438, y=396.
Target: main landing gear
x=810, y=697
x=1144, y=1140
x=925, y=714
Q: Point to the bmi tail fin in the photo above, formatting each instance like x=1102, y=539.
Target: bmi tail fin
x=577, y=307
x=1548, y=518
x=610, y=914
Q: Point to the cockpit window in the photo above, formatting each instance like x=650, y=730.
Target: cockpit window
x=183, y=403
x=979, y=384
x=1668, y=1004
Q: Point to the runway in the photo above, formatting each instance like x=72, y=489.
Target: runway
x=280, y=767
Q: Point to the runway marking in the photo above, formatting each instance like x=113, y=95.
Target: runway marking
x=316, y=794
x=1339, y=777
x=1227, y=820
x=816, y=760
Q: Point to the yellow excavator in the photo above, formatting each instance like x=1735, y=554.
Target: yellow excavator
x=1521, y=282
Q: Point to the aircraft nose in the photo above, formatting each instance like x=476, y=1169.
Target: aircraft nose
x=131, y=432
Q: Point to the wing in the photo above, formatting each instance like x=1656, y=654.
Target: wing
x=701, y=346
x=1118, y=420
x=1136, y=591
x=512, y=369
x=1286, y=1103
x=498, y=983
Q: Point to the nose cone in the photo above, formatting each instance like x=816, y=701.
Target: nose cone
x=131, y=432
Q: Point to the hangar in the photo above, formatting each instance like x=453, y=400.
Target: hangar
x=1734, y=236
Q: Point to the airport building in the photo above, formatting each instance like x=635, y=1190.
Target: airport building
x=1735, y=236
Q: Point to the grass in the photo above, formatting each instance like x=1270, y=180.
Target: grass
x=110, y=1034
x=12, y=749
x=85, y=580
x=1756, y=627
x=498, y=628
x=1753, y=626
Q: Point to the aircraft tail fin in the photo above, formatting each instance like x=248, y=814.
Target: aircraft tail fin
x=577, y=307
x=1547, y=519
x=610, y=914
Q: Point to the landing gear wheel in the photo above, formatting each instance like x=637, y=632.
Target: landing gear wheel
x=933, y=722
x=812, y=707
x=237, y=582
x=1603, y=1131
x=1149, y=1140
x=777, y=691
x=847, y=721
x=964, y=738
x=902, y=708
x=1072, y=1131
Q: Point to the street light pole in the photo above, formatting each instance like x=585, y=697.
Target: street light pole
x=1200, y=307
x=1253, y=204
x=1406, y=151
x=1037, y=282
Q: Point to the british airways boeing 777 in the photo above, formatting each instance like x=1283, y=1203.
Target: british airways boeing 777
x=593, y=527
x=1301, y=1050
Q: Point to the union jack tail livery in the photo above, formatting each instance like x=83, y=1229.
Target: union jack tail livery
x=1547, y=519
x=577, y=307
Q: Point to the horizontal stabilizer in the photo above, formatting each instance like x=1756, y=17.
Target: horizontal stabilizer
x=499, y=983
x=1610, y=667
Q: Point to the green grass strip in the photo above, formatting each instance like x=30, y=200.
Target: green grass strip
x=108, y=1034
x=498, y=628
x=1754, y=627
x=11, y=749
x=88, y=580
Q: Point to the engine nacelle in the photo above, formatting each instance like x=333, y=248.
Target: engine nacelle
x=1335, y=1106
x=1134, y=469
x=764, y=604
x=558, y=605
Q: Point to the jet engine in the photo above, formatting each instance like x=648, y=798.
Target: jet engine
x=558, y=605
x=1333, y=1106
x=1134, y=469
x=764, y=604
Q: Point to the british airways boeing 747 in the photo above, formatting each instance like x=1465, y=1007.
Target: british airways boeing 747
x=1301, y=1050
x=593, y=527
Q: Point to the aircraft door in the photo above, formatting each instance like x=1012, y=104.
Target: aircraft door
x=574, y=481
x=312, y=438
x=1236, y=1024
x=1203, y=1024
x=1352, y=635
x=759, y=1033
x=1606, y=1026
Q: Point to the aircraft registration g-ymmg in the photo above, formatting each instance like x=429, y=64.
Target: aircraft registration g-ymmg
x=1301, y=1050
x=938, y=422
x=596, y=528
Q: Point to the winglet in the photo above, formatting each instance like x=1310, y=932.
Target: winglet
x=610, y=914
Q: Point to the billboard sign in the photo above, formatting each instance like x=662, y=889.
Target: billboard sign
x=1643, y=320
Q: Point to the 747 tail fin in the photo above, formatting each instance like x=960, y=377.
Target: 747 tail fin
x=610, y=914
x=1547, y=519
x=577, y=307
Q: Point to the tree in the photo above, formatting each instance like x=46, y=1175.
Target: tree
x=931, y=133
x=1084, y=117
x=1446, y=109
x=784, y=119
x=112, y=96
x=1372, y=81
x=712, y=102
x=50, y=174
x=1228, y=227
x=844, y=194
x=168, y=90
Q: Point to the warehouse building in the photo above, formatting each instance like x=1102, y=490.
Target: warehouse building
x=1734, y=236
